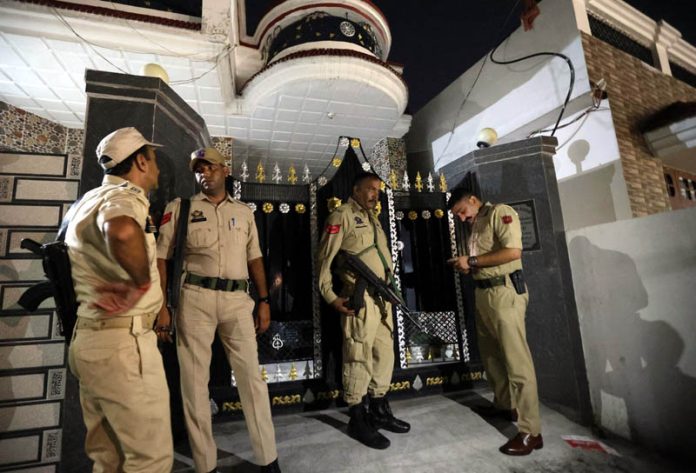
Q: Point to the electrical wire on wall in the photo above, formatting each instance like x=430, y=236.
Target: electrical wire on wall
x=540, y=54
x=597, y=97
x=506, y=62
x=473, y=84
x=224, y=51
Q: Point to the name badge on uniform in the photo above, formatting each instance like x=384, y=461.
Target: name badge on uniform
x=359, y=222
x=197, y=216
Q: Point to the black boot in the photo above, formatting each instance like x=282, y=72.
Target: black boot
x=361, y=429
x=272, y=467
x=383, y=418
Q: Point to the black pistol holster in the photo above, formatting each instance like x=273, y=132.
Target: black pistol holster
x=517, y=279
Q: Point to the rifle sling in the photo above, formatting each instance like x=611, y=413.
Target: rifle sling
x=178, y=256
x=387, y=271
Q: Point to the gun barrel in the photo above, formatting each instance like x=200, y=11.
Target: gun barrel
x=31, y=245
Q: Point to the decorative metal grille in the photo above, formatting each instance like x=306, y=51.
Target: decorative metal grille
x=435, y=341
x=321, y=26
x=316, y=303
x=458, y=283
x=286, y=341
x=435, y=328
x=401, y=339
x=619, y=40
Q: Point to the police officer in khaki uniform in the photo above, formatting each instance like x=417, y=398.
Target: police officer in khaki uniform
x=113, y=354
x=494, y=258
x=368, y=350
x=221, y=252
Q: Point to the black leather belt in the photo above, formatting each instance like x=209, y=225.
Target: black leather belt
x=217, y=284
x=491, y=282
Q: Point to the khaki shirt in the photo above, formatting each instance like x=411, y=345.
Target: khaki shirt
x=92, y=264
x=220, y=240
x=351, y=228
x=495, y=227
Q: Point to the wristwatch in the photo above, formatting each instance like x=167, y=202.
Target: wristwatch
x=266, y=299
x=472, y=261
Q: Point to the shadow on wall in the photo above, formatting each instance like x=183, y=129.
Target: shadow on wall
x=636, y=387
x=586, y=197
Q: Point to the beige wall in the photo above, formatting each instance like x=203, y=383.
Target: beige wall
x=633, y=283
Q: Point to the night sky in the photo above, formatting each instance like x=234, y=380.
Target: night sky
x=438, y=40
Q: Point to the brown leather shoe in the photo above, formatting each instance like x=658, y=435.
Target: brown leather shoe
x=492, y=411
x=522, y=444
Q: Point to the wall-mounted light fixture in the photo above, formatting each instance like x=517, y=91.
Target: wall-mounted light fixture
x=486, y=137
x=155, y=70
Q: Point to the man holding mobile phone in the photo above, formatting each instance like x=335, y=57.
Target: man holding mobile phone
x=494, y=257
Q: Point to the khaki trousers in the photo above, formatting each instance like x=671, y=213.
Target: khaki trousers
x=368, y=352
x=124, y=398
x=201, y=313
x=500, y=326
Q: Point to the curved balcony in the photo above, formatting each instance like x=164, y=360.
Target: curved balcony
x=321, y=27
x=296, y=24
x=324, y=77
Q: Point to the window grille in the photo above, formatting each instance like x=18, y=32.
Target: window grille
x=619, y=40
x=683, y=74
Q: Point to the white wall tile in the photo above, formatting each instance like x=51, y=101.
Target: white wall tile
x=30, y=215
x=18, y=450
x=19, y=387
x=18, y=327
x=14, y=163
x=35, y=189
x=33, y=416
x=32, y=356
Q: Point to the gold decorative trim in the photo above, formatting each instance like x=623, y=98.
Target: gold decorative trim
x=231, y=406
x=435, y=381
x=472, y=376
x=328, y=395
x=400, y=386
x=286, y=400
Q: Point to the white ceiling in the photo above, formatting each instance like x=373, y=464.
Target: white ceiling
x=46, y=76
x=294, y=119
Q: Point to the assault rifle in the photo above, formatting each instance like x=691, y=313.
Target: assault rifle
x=366, y=278
x=56, y=266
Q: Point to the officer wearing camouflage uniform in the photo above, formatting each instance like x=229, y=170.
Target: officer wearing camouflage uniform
x=368, y=350
x=113, y=354
x=494, y=258
x=221, y=252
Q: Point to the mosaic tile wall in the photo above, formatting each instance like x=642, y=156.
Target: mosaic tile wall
x=24, y=131
x=387, y=155
x=224, y=145
x=635, y=91
x=40, y=166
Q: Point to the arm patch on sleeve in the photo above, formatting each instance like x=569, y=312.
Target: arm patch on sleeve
x=507, y=219
x=333, y=229
x=166, y=218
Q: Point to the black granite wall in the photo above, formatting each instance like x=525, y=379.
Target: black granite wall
x=523, y=172
x=151, y=106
